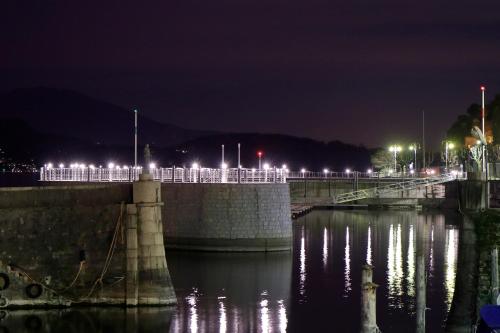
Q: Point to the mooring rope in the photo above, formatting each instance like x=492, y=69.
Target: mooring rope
x=105, y=268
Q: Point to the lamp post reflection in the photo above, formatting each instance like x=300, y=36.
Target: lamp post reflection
x=347, y=259
x=451, y=251
x=369, y=247
x=325, y=247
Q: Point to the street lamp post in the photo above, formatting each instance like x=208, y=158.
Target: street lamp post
x=448, y=146
x=395, y=149
x=135, y=138
x=483, y=88
x=222, y=157
x=414, y=148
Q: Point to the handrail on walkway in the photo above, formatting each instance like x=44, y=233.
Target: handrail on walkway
x=167, y=175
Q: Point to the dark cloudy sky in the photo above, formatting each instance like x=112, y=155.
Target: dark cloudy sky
x=358, y=71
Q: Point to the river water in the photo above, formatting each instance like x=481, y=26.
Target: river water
x=314, y=288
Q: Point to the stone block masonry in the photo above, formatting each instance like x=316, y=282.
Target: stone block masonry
x=95, y=244
x=227, y=217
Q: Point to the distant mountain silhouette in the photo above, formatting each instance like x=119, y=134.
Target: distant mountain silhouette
x=71, y=114
x=42, y=125
x=277, y=149
x=23, y=144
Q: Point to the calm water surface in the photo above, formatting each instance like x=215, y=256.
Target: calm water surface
x=314, y=288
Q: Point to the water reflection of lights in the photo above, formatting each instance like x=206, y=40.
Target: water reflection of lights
x=451, y=264
x=193, y=313
x=347, y=273
x=399, y=263
x=390, y=261
x=410, y=280
x=395, y=265
x=222, y=316
x=302, y=286
x=283, y=321
x=431, y=253
x=264, y=315
x=369, y=247
x=325, y=247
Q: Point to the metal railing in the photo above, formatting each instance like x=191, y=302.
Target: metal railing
x=332, y=174
x=172, y=175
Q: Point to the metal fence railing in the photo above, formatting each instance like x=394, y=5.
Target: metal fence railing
x=172, y=175
x=205, y=175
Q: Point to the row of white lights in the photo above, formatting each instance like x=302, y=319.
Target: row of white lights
x=348, y=171
x=151, y=166
x=196, y=166
x=92, y=166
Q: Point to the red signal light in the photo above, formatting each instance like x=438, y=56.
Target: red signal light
x=483, y=88
x=259, y=153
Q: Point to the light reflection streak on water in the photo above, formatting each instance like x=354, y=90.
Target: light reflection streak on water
x=264, y=315
x=369, y=247
x=399, y=263
x=390, y=263
x=222, y=316
x=411, y=263
x=302, y=285
x=395, y=274
x=451, y=264
x=325, y=247
x=283, y=321
x=236, y=319
x=193, y=313
x=431, y=253
x=347, y=273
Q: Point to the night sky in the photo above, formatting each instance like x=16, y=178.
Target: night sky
x=358, y=71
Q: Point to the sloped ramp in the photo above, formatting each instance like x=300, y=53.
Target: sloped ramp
x=375, y=192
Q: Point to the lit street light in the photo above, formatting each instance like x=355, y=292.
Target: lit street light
x=448, y=146
x=395, y=149
x=414, y=148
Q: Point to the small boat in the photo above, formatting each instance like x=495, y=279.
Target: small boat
x=490, y=319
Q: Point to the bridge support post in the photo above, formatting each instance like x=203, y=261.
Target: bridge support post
x=368, y=301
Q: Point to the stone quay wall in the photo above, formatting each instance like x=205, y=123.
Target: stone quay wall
x=56, y=242
x=46, y=232
x=227, y=217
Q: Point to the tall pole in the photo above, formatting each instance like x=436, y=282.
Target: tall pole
x=485, y=152
x=239, y=163
x=135, y=138
x=446, y=156
x=482, y=128
x=423, y=139
x=222, y=162
x=395, y=163
x=415, y=151
x=239, y=155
